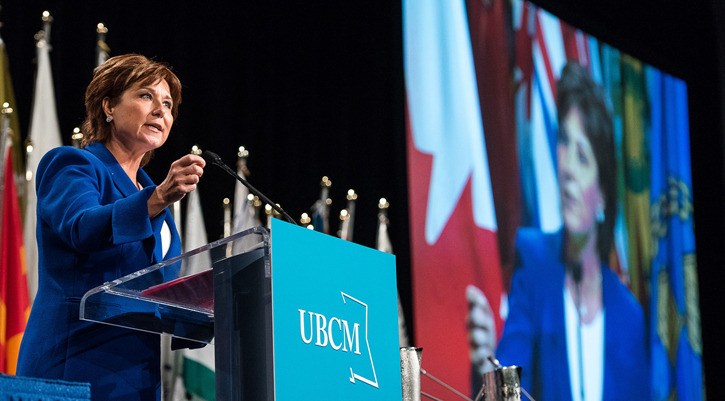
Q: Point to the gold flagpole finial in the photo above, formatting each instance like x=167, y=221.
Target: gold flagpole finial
x=344, y=224
x=76, y=137
x=306, y=221
x=242, y=155
x=326, y=182
x=347, y=216
x=6, y=112
x=383, y=204
x=254, y=199
x=271, y=213
x=242, y=152
x=226, y=204
x=272, y=210
x=4, y=137
x=101, y=28
x=227, y=230
x=5, y=132
x=47, y=21
x=195, y=150
x=6, y=108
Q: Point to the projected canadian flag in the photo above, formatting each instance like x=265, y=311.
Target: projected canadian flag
x=453, y=222
x=457, y=253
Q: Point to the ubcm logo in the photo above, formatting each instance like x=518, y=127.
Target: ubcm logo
x=339, y=335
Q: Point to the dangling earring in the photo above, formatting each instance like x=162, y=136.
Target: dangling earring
x=600, y=214
x=109, y=119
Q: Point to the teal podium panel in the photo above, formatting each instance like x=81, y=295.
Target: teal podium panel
x=294, y=314
x=335, y=327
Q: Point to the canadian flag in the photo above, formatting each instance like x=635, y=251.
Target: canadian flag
x=452, y=216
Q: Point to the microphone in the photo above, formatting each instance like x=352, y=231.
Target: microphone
x=214, y=159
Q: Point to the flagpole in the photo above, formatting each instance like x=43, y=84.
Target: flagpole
x=102, y=49
x=227, y=224
x=383, y=241
x=4, y=135
x=347, y=216
x=351, y=198
x=325, y=185
x=269, y=212
x=321, y=208
x=76, y=137
x=47, y=21
x=242, y=156
x=242, y=199
x=227, y=227
x=245, y=207
x=344, y=217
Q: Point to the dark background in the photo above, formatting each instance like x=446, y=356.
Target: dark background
x=317, y=88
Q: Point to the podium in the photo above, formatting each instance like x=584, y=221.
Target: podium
x=293, y=313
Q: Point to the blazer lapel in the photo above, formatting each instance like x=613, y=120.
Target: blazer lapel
x=119, y=177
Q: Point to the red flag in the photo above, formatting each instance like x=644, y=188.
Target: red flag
x=14, y=301
x=492, y=60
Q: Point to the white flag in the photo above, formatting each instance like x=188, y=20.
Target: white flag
x=384, y=244
x=172, y=360
x=195, y=236
x=44, y=135
x=198, y=364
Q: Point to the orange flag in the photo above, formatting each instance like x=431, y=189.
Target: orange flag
x=14, y=301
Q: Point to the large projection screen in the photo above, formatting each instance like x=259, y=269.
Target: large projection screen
x=551, y=212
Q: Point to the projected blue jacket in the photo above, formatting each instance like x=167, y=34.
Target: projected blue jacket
x=92, y=227
x=534, y=335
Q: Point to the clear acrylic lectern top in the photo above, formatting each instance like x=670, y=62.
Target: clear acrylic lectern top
x=176, y=296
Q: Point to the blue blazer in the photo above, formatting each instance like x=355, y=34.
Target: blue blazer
x=92, y=227
x=534, y=334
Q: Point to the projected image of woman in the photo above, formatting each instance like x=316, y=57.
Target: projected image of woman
x=574, y=328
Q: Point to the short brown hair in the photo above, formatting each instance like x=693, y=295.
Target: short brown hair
x=111, y=79
x=577, y=89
